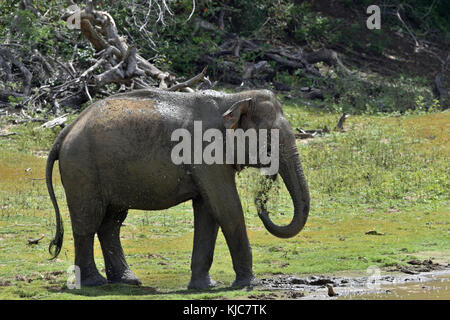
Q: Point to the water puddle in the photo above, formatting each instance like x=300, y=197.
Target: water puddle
x=433, y=286
x=389, y=285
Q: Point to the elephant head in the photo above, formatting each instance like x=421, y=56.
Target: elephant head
x=262, y=110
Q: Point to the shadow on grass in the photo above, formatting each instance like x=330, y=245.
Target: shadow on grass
x=129, y=290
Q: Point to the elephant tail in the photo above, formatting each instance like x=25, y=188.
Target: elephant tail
x=59, y=234
x=57, y=242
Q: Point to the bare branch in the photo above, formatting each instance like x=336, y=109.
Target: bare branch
x=190, y=82
x=26, y=73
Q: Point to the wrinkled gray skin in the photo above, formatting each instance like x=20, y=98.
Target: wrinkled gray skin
x=117, y=156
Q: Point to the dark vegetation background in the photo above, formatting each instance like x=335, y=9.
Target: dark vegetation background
x=392, y=69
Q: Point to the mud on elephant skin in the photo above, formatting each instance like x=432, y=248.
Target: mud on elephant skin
x=117, y=156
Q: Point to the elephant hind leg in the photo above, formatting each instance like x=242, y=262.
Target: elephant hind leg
x=117, y=269
x=86, y=214
x=84, y=259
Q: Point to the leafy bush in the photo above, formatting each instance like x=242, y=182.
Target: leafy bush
x=306, y=26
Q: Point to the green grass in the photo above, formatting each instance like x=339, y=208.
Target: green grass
x=385, y=173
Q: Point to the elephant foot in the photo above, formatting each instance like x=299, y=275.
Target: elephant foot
x=127, y=277
x=93, y=280
x=245, y=281
x=202, y=283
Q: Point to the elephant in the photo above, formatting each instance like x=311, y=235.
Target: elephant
x=116, y=156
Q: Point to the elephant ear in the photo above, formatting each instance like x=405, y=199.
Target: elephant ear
x=232, y=116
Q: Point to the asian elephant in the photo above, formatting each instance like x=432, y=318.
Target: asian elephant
x=117, y=156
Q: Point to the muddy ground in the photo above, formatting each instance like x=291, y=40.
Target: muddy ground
x=418, y=280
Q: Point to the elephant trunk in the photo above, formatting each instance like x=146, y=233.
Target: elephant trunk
x=292, y=173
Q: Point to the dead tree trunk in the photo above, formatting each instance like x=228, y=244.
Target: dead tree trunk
x=120, y=62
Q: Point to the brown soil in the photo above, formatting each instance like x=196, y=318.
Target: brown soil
x=416, y=266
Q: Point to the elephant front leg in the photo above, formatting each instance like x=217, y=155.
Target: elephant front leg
x=225, y=205
x=205, y=235
x=233, y=227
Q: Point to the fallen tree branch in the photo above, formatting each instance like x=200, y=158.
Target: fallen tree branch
x=190, y=82
x=307, y=134
x=285, y=58
x=15, y=121
x=6, y=94
x=340, y=124
x=59, y=121
x=45, y=64
x=328, y=56
x=115, y=62
x=438, y=80
x=27, y=76
x=252, y=69
x=312, y=93
x=7, y=68
x=4, y=135
x=35, y=241
x=120, y=62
